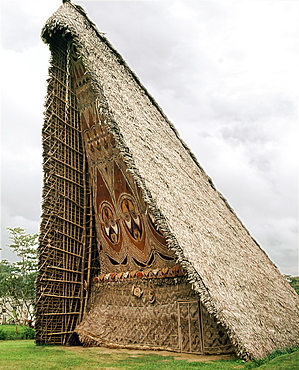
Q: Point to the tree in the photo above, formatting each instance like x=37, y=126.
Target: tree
x=17, y=279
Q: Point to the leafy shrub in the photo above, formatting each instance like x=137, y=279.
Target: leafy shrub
x=28, y=333
x=3, y=335
x=12, y=332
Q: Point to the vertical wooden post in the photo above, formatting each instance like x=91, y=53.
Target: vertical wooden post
x=179, y=327
x=200, y=318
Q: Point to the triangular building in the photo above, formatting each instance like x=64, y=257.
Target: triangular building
x=137, y=247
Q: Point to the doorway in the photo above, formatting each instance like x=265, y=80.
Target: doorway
x=189, y=327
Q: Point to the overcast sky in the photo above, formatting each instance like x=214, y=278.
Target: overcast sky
x=224, y=72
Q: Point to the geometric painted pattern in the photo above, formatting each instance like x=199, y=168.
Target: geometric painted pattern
x=127, y=236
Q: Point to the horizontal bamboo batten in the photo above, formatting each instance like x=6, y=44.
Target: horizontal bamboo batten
x=67, y=214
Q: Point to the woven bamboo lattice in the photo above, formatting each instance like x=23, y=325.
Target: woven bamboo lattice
x=66, y=254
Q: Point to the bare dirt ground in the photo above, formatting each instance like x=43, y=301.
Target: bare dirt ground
x=135, y=352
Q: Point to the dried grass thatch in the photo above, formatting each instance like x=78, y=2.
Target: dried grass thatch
x=236, y=280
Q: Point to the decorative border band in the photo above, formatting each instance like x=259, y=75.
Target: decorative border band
x=174, y=271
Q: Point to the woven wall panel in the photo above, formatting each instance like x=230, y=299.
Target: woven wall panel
x=118, y=317
x=215, y=336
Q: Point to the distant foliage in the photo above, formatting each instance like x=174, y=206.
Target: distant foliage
x=17, y=279
x=294, y=282
x=13, y=332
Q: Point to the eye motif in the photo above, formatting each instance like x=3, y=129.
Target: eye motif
x=132, y=220
x=111, y=227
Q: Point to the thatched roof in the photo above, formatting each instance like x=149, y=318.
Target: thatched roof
x=234, y=277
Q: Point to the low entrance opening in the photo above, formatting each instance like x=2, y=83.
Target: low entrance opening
x=190, y=327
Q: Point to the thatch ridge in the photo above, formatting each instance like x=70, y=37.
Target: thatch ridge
x=210, y=241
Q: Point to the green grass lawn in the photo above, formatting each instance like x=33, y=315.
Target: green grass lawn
x=26, y=355
x=284, y=362
x=22, y=355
